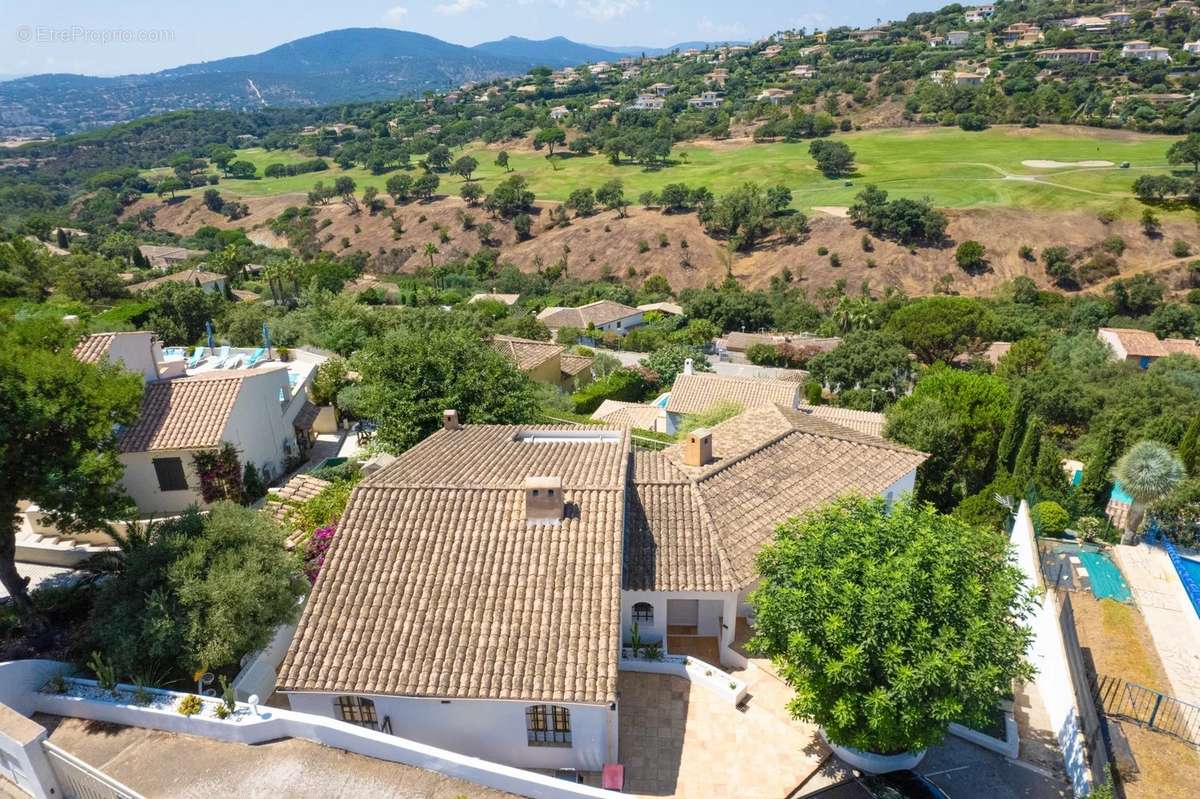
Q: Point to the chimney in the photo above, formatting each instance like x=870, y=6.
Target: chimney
x=543, y=500
x=687, y=366
x=450, y=420
x=697, y=450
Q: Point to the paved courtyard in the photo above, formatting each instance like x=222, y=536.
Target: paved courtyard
x=164, y=765
x=682, y=740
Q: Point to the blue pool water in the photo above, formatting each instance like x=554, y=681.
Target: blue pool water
x=1118, y=495
x=1192, y=567
x=662, y=401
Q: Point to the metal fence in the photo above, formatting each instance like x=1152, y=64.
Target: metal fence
x=1149, y=708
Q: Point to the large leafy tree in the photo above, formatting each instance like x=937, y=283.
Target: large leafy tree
x=57, y=441
x=890, y=624
x=868, y=360
x=958, y=418
x=939, y=328
x=194, y=592
x=409, y=377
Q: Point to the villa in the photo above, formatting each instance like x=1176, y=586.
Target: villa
x=483, y=590
x=559, y=112
x=706, y=100
x=196, y=404
x=957, y=38
x=604, y=316
x=773, y=96
x=662, y=89
x=1081, y=55
x=545, y=362
x=1143, y=51
x=696, y=392
x=647, y=102
x=208, y=281
x=163, y=258
x=1142, y=347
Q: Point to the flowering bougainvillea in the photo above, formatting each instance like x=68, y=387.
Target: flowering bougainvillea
x=317, y=549
x=220, y=474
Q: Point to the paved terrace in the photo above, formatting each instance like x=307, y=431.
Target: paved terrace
x=1173, y=623
x=166, y=765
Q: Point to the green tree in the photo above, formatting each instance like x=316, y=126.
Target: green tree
x=178, y=311
x=669, y=361
x=957, y=417
x=549, y=137
x=465, y=166
x=1186, y=151
x=168, y=185
x=1027, y=455
x=612, y=196
x=834, y=159
x=939, y=328
x=891, y=623
x=868, y=360
x=439, y=157
x=971, y=256
x=1147, y=472
x=409, y=377
x=57, y=442
x=1014, y=432
x=331, y=377
x=502, y=160
x=471, y=192
x=243, y=170
x=1189, y=447
x=426, y=185
x=222, y=155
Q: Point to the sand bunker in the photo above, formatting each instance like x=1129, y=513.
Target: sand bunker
x=839, y=211
x=1037, y=164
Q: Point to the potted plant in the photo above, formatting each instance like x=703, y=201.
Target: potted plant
x=890, y=625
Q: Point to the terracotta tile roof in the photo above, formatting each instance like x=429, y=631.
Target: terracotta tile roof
x=185, y=413
x=188, y=276
x=281, y=500
x=527, y=354
x=94, y=348
x=1185, y=346
x=663, y=307
x=1138, y=342
x=507, y=299
x=160, y=256
x=594, y=313
x=863, y=421
x=771, y=463
x=670, y=540
x=696, y=393
x=574, y=364
x=628, y=414
x=436, y=586
x=305, y=417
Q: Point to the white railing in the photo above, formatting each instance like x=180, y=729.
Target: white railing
x=689, y=668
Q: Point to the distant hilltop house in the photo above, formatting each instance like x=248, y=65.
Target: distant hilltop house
x=772, y=50
x=545, y=361
x=1119, y=17
x=604, y=316
x=482, y=591
x=661, y=89
x=164, y=257
x=193, y=405
x=957, y=38
x=559, y=112
x=980, y=13
x=1144, y=51
x=706, y=99
x=1020, y=34
x=1179, y=6
x=604, y=104
x=1088, y=24
x=870, y=35
x=1192, y=47
x=1142, y=347
x=209, y=281
x=773, y=96
x=670, y=308
x=647, y=102
x=803, y=71
x=738, y=342
x=491, y=296
x=717, y=76
x=337, y=128
x=1081, y=55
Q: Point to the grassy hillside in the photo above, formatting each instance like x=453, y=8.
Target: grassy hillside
x=956, y=169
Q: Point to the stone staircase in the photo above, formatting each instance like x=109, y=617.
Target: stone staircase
x=51, y=550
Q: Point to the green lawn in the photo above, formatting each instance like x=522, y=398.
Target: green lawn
x=955, y=168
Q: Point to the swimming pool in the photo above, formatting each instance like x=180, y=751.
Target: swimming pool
x=1118, y=495
x=1191, y=567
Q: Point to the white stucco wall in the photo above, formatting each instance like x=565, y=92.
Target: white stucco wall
x=713, y=610
x=624, y=325
x=137, y=353
x=1114, y=343
x=489, y=729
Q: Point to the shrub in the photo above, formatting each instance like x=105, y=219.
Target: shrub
x=822, y=251
x=835, y=260
x=1025, y=252
x=1050, y=518
x=106, y=673
x=1180, y=248
x=971, y=256
x=1114, y=245
x=627, y=385
x=813, y=392
x=643, y=246
x=190, y=705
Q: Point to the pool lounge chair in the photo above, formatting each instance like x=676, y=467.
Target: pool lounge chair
x=254, y=359
x=234, y=362
x=222, y=357
x=196, y=358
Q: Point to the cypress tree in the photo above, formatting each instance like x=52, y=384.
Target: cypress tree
x=1014, y=431
x=1189, y=447
x=1027, y=455
x=1097, y=472
x=63, y=241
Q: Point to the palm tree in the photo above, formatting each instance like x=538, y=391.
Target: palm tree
x=1149, y=470
x=431, y=250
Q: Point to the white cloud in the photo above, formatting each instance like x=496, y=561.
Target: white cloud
x=395, y=14
x=458, y=7
x=605, y=10
x=709, y=28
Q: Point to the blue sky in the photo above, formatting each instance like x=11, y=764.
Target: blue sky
x=107, y=38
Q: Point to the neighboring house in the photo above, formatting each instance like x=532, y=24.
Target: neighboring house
x=980, y=13
x=868, y=422
x=559, y=112
x=647, y=102
x=696, y=392
x=706, y=100
x=771, y=51
x=183, y=416
x=1081, y=55
x=1192, y=47
x=1134, y=346
x=545, y=361
x=957, y=38
x=507, y=299
x=661, y=89
x=631, y=414
x=773, y=96
x=992, y=354
x=1143, y=51
x=1089, y=24
x=1182, y=346
x=671, y=308
x=970, y=78
x=605, y=316
x=209, y=281
x=1021, y=33
x=717, y=76
x=161, y=257
x=738, y=342
x=1121, y=17
x=481, y=589
x=604, y=105
x=803, y=71
x=138, y=352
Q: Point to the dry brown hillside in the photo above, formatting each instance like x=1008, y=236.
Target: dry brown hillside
x=608, y=244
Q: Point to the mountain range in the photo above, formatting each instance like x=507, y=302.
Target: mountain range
x=353, y=64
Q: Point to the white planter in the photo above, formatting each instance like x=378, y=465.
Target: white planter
x=874, y=763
